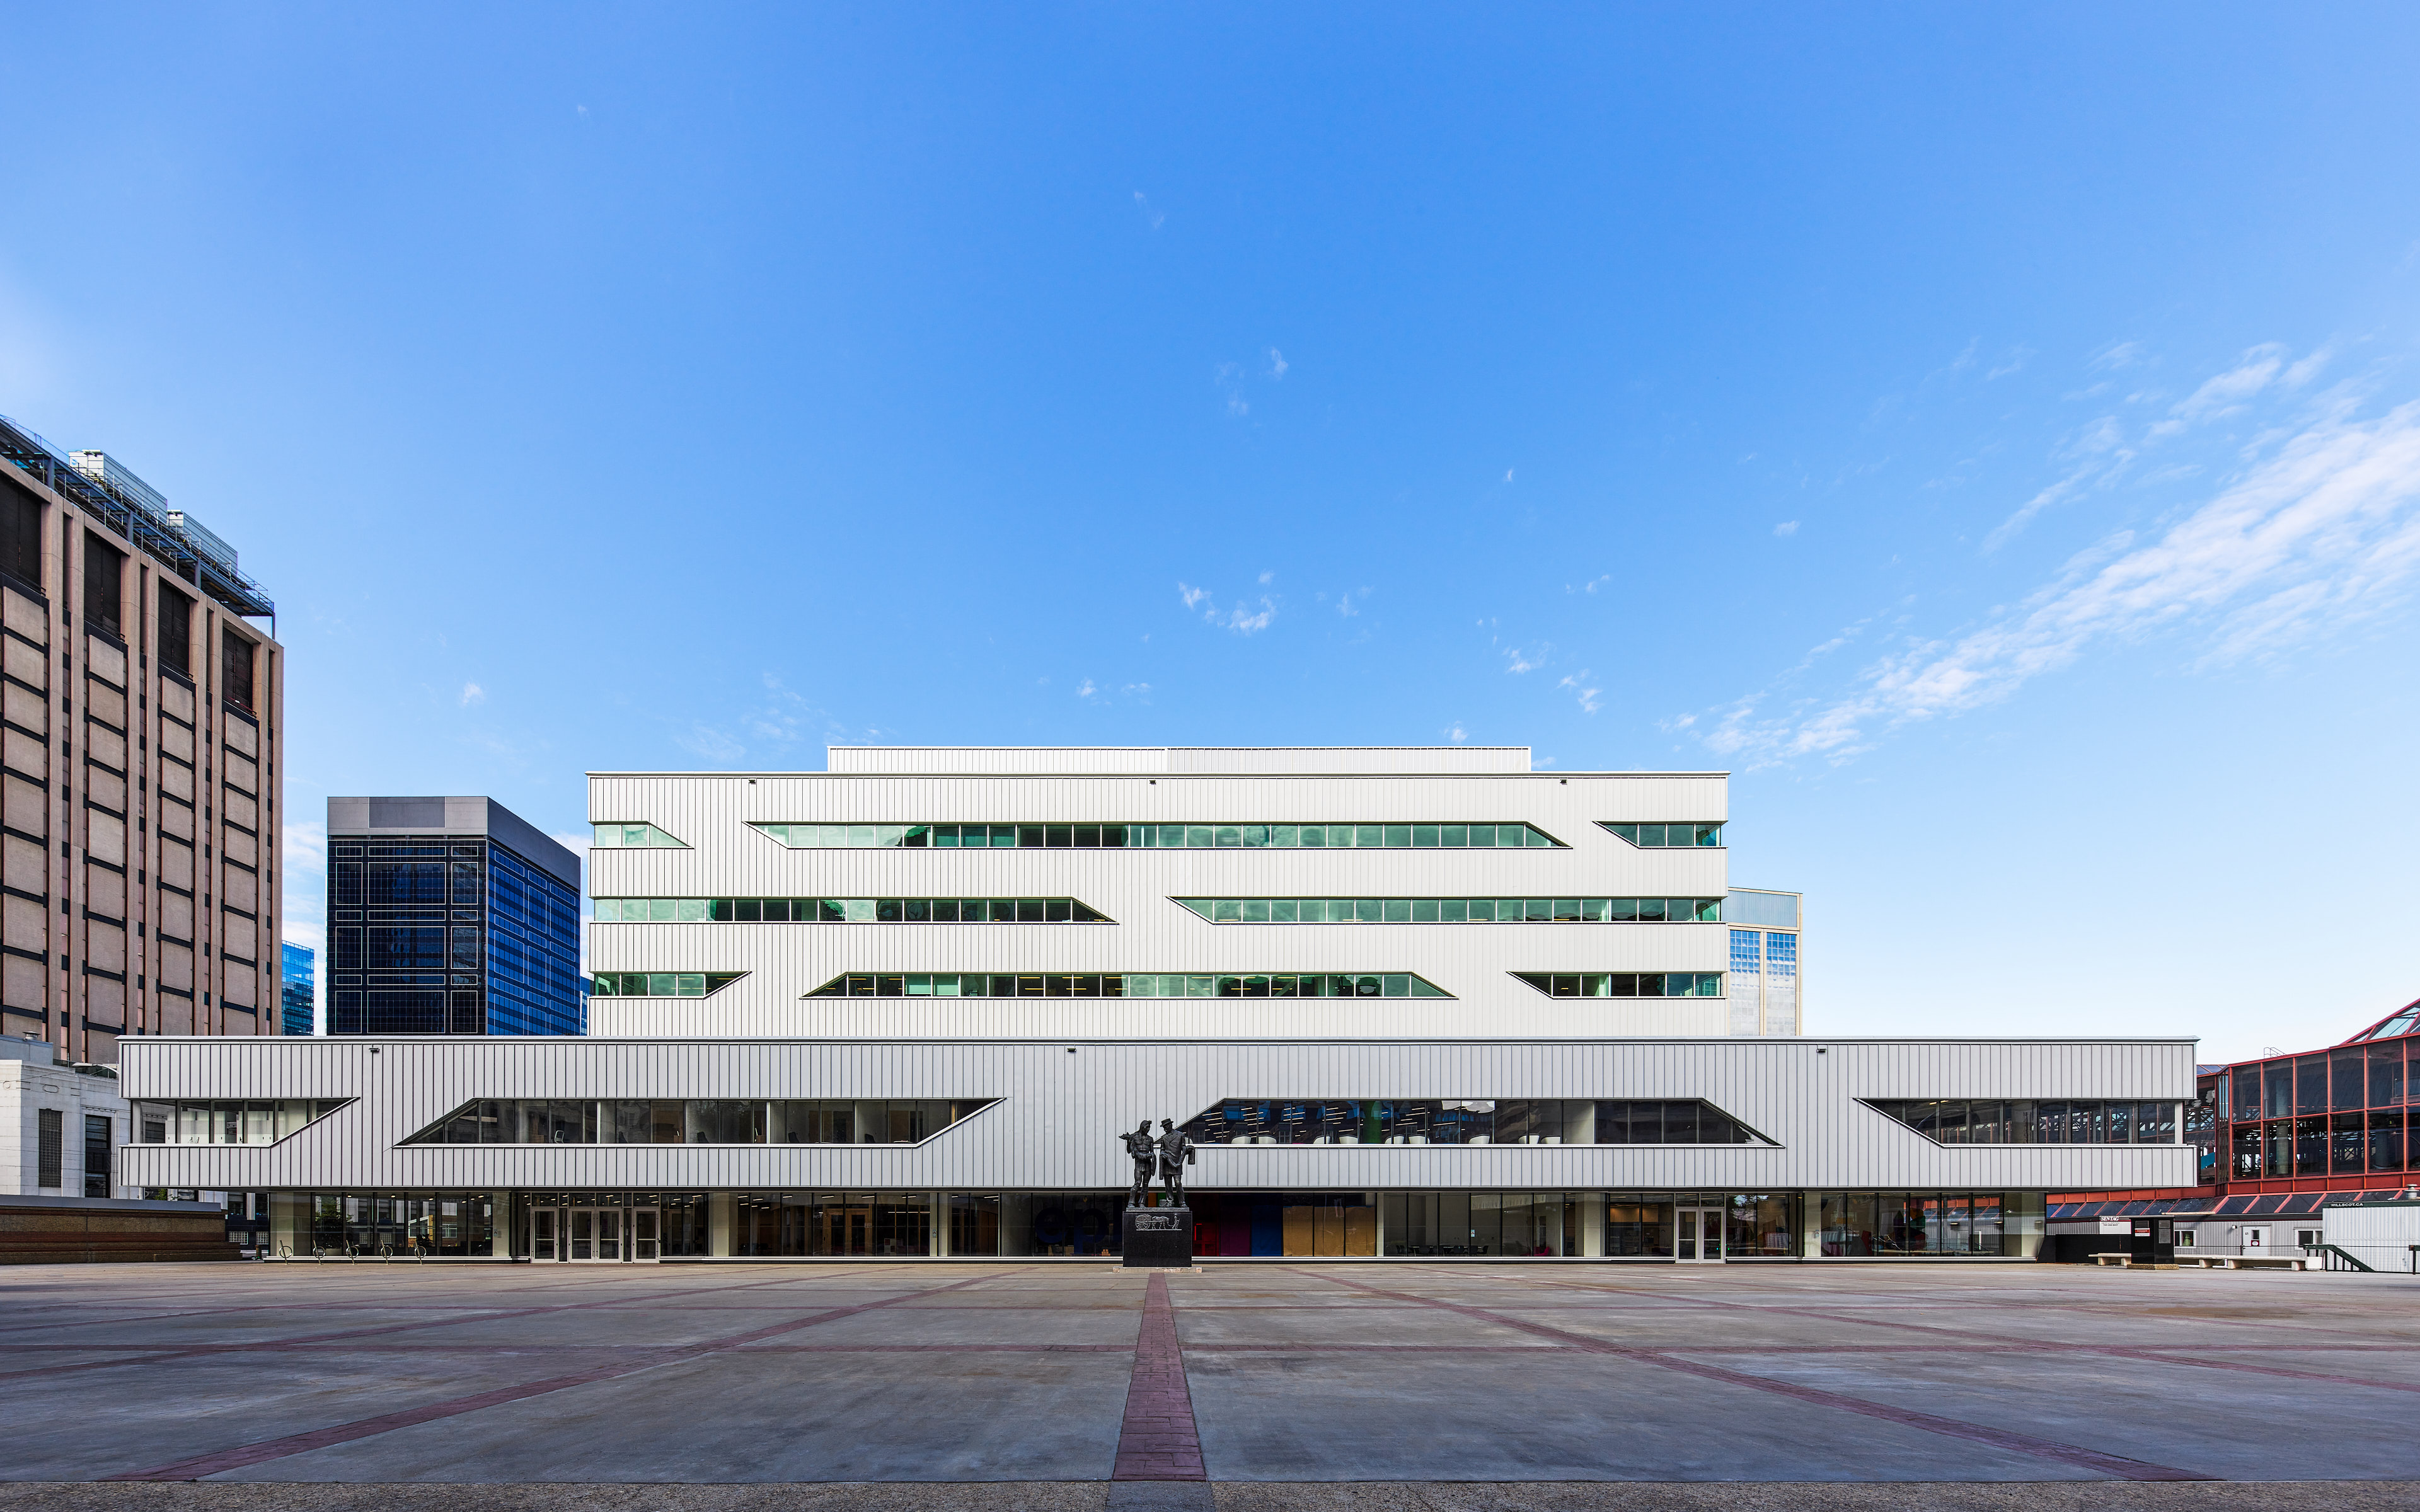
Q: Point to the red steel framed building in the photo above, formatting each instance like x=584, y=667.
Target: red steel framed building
x=2283, y=1136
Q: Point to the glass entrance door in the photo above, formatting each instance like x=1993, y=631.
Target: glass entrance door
x=595, y=1230
x=1697, y=1237
x=592, y=1233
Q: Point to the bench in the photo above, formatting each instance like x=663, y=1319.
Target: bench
x=2124, y=1259
x=2244, y=1262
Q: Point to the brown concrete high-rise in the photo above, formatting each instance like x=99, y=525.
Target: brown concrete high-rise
x=141, y=715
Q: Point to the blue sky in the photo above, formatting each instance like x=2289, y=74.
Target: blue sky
x=1991, y=436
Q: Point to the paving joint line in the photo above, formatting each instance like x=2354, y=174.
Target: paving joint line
x=243, y=1456
x=2116, y=1466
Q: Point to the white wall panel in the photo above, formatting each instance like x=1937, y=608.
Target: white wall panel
x=1063, y=1104
x=727, y=858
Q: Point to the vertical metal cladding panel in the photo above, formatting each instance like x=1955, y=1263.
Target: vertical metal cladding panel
x=728, y=858
x=1060, y=1115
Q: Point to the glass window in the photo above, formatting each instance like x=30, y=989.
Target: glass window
x=2386, y=1140
x=2349, y=1075
x=2311, y=1083
x=2348, y=1145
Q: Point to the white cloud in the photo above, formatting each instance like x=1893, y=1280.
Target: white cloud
x=1457, y=734
x=2321, y=533
x=1595, y=583
x=2118, y=354
x=1787, y=527
x=1236, y=407
x=1277, y=364
x=1152, y=218
x=472, y=693
x=302, y=849
x=1516, y=662
x=1192, y=597
x=2229, y=391
x=1246, y=619
x=1588, y=696
x=709, y=744
x=1136, y=690
x=1087, y=690
x=2015, y=363
x=1266, y=576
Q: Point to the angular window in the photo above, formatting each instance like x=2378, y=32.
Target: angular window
x=1468, y=1121
x=1207, y=837
x=847, y=911
x=256, y=1121
x=1130, y=984
x=662, y=984
x=635, y=837
x=1625, y=984
x=700, y=1120
x=2023, y=1121
x=1456, y=910
x=1667, y=836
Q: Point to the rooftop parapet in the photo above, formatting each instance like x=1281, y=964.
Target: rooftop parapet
x=127, y=504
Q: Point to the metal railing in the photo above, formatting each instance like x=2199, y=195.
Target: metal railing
x=132, y=520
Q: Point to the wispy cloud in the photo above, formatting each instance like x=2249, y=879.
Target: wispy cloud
x=1787, y=527
x=2319, y=535
x=1152, y=217
x=1245, y=618
x=1277, y=364
x=1192, y=597
x=2099, y=454
x=303, y=857
x=1456, y=733
x=1588, y=697
x=1515, y=662
x=1086, y=689
x=472, y=693
x=708, y=744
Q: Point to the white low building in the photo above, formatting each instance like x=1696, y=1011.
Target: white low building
x=1412, y=1003
x=60, y=1124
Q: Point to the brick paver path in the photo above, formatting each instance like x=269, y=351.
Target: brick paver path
x=1158, y=1440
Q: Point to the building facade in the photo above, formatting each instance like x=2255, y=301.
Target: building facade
x=1448, y=892
x=449, y=916
x=1410, y=1004
x=298, y=999
x=1768, y=964
x=61, y=1123
x=140, y=752
x=2278, y=1141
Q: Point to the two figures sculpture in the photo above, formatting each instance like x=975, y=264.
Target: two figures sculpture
x=1165, y=1157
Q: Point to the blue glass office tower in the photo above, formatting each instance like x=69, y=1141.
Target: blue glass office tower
x=295, y=1001
x=449, y=916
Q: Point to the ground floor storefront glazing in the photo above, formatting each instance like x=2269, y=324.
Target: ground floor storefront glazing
x=626, y=1226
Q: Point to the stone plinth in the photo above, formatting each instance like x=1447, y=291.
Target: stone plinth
x=1156, y=1237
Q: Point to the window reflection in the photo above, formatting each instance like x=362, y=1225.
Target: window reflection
x=1466, y=1121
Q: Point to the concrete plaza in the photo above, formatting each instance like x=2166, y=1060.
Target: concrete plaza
x=1091, y=1386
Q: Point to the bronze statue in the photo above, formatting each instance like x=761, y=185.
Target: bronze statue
x=1175, y=1153
x=1145, y=1155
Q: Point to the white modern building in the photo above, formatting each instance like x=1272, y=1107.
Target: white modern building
x=60, y=1124
x=1419, y=1003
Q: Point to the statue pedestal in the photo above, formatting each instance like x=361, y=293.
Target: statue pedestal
x=1157, y=1237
